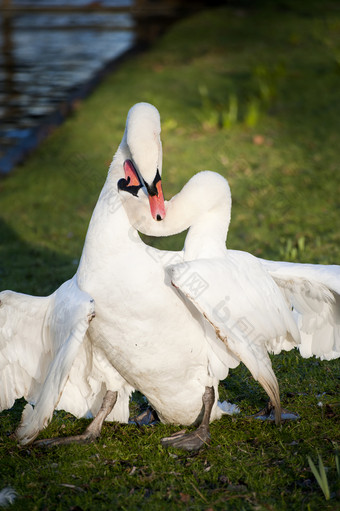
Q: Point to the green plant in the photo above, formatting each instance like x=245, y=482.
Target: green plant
x=259, y=92
x=292, y=250
x=253, y=113
x=320, y=475
x=268, y=80
x=230, y=114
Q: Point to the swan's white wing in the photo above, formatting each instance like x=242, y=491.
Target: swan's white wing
x=25, y=348
x=314, y=293
x=245, y=307
x=66, y=321
x=328, y=275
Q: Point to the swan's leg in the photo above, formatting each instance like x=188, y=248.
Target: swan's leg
x=201, y=436
x=92, y=431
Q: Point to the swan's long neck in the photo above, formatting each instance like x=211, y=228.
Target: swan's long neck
x=110, y=233
x=206, y=238
x=203, y=206
x=109, y=229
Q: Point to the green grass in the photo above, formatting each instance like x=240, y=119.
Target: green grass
x=252, y=94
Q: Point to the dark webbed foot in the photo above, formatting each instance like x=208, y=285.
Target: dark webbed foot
x=188, y=441
x=76, y=439
x=268, y=414
x=91, y=432
x=201, y=436
x=146, y=418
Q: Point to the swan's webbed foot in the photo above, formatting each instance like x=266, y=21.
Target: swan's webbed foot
x=188, y=441
x=84, y=438
x=201, y=436
x=268, y=414
x=92, y=431
x=146, y=418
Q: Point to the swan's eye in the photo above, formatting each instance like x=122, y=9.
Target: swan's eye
x=153, y=188
x=131, y=176
x=123, y=184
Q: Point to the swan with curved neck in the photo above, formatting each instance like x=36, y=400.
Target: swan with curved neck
x=203, y=205
x=67, y=367
x=141, y=335
x=242, y=302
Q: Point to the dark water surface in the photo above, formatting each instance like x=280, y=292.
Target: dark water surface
x=47, y=60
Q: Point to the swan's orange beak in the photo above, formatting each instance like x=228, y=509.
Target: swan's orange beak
x=156, y=201
x=130, y=174
x=133, y=183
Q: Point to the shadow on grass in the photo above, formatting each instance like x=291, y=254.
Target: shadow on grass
x=29, y=268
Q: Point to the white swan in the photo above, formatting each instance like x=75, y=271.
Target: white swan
x=245, y=298
x=46, y=354
x=238, y=297
x=143, y=336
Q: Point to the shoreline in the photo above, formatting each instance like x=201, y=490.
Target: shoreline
x=17, y=153
x=146, y=31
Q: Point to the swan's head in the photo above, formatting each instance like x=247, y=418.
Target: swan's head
x=142, y=157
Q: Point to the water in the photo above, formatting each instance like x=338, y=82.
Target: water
x=45, y=62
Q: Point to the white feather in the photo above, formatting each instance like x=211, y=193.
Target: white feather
x=7, y=496
x=313, y=291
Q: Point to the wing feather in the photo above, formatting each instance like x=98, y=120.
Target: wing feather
x=245, y=307
x=67, y=320
x=313, y=292
x=24, y=357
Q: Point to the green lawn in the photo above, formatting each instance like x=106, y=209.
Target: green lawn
x=252, y=93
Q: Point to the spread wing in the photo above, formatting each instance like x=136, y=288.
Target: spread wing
x=313, y=291
x=25, y=347
x=245, y=307
x=40, y=339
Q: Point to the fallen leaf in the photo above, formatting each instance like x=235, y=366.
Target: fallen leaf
x=184, y=497
x=258, y=139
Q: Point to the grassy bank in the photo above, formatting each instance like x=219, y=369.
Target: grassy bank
x=252, y=94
